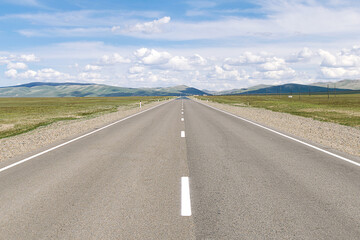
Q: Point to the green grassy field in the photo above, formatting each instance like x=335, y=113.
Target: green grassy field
x=343, y=109
x=19, y=115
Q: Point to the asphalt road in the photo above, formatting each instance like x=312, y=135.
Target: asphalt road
x=124, y=182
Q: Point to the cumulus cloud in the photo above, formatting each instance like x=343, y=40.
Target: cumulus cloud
x=304, y=55
x=288, y=73
x=91, y=77
x=196, y=59
x=114, y=59
x=340, y=72
x=342, y=64
x=246, y=58
x=90, y=67
x=341, y=59
x=12, y=59
x=28, y=74
x=50, y=74
x=136, y=69
x=223, y=74
x=17, y=65
x=152, y=27
x=151, y=56
x=45, y=74
x=164, y=60
x=328, y=59
x=11, y=73
x=28, y=58
x=273, y=64
x=148, y=78
x=178, y=63
x=263, y=65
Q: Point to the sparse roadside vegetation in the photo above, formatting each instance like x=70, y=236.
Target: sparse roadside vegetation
x=19, y=115
x=343, y=109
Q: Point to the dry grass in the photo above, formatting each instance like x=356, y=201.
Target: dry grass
x=343, y=109
x=19, y=115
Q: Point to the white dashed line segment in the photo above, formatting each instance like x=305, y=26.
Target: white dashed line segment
x=185, y=197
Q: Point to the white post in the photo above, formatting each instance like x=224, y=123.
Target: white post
x=140, y=104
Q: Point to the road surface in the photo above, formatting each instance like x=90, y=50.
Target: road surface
x=126, y=182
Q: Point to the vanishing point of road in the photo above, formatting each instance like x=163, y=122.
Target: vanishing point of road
x=181, y=170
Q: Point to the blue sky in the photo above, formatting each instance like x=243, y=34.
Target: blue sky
x=213, y=45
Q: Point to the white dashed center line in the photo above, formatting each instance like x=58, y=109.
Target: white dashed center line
x=183, y=134
x=182, y=119
x=185, y=197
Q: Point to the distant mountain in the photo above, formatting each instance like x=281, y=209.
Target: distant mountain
x=34, y=84
x=241, y=90
x=291, y=88
x=343, y=84
x=42, y=89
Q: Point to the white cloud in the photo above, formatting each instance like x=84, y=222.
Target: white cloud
x=287, y=74
x=17, y=65
x=220, y=73
x=91, y=77
x=273, y=64
x=148, y=78
x=345, y=58
x=19, y=59
x=246, y=58
x=11, y=73
x=90, y=67
x=274, y=68
x=4, y=60
x=342, y=64
x=136, y=69
x=196, y=59
x=28, y=58
x=304, y=55
x=28, y=74
x=151, y=56
x=154, y=26
x=42, y=75
x=48, y=74
x=178, y=63
x=267, y=66
x=114, y=59
x=340, y=72
x=328, y=58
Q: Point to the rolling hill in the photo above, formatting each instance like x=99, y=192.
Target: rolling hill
x=43, y=89
x=292, y=88
x=237, y=91
x=343, y=84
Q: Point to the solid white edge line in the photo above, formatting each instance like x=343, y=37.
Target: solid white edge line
x=75, y=139
x=183, y=134
x=286, y=136
x=185, y=197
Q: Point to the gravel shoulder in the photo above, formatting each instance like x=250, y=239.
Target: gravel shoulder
x=43, y=136
x=342, y=138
